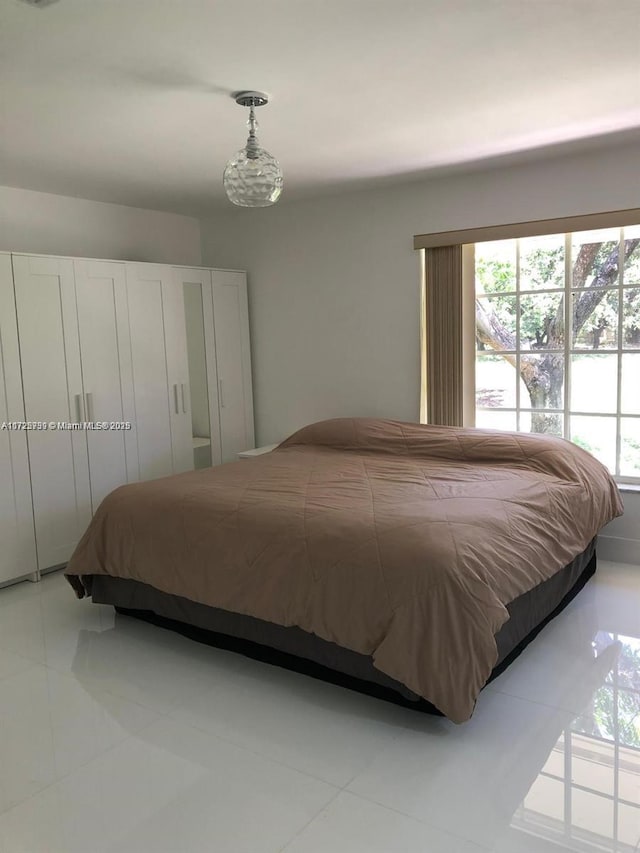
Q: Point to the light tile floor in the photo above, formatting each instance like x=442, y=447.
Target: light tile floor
x=118, y=736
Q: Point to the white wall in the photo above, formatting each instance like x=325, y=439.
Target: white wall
x=43, y=223
x=620, y=540
x=334, y=284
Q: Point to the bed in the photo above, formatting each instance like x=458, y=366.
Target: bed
x=407, y=560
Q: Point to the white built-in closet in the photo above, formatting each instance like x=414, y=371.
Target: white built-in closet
x=163, y=348
x=17, y=541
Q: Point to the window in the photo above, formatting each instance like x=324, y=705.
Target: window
x=558, y=340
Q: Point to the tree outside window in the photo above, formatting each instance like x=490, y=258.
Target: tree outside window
x=558, y=340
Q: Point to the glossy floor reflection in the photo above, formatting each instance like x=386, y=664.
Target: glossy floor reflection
x=119, y=736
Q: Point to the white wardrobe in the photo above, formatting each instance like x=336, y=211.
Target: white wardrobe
x=218, y=333
x=17, y=539
x=116, y=343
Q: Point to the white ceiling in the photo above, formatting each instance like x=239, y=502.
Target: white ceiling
x=129, y=100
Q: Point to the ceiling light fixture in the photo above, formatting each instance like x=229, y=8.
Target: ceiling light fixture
x=253, y=177
x=39, y=3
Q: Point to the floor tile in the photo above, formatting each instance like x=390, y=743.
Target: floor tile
x=353, y=825
x=21, y=625
x=470, y=779
x=49, y=726
x=11, y=594
x=252, y=758
x=11, y=664
x=149, y=665
x=169, y=788
x=43, y=626
x=318, y=728
x=561, y=657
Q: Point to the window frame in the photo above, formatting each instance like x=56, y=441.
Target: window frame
x=569, y=350
x=464, y=376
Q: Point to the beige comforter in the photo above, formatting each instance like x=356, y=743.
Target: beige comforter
x=395, y=540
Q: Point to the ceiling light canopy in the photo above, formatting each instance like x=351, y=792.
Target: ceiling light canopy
x=253, y=177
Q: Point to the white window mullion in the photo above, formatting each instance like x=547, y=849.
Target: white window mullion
x=518, y=336
x=568, y=333
x=621, y=261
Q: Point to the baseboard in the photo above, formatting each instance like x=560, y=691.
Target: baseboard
x=619, y=550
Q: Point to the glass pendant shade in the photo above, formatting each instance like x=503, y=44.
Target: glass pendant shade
x=253, y=181
x=253, y=177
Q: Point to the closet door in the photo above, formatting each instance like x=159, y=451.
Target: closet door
x=175, y=335
x=233, y=357
x=17, y=537
x=195, y=285
x=52, y=382
x=149, y=369
x=105, y=350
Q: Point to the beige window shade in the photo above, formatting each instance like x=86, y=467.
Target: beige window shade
x=443, y=325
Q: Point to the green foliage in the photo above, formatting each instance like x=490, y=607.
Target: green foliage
x=495, y=276
x=544, y=269
x=537, y=312
x=630, y=456
x=541, y=269
x=631, y=316
x=582, y=443
x=632, y=267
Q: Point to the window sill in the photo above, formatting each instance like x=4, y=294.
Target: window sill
x=629, y=487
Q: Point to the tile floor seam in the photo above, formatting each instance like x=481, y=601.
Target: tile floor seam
x=309, y=822
x=536, y=702
x=113, y=695
x=422, y=822
x=75, y=769
x=414, y=819
x=257, y=753
x=61, y=670
x=392, y=740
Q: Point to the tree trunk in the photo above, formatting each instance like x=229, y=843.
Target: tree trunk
x=544, y=380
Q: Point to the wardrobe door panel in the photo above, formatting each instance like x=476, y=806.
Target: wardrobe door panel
x=126, y=379
x=100, y=288
x=52, y=381
x=17, y=536
x=233, y=357
x=212, y=373
x=195, y=285
x=149, y=369
x=175, y=333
